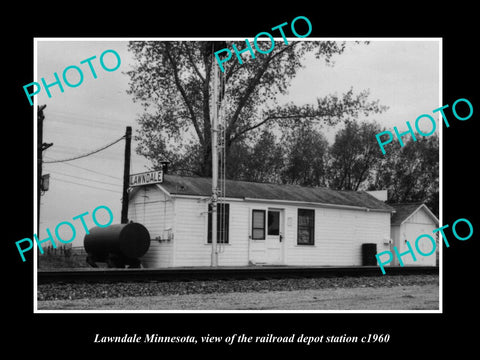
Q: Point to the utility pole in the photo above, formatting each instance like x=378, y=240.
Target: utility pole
x=126, y=175
x=216, y=76
x=213, y=46
x=41, y=146
x=40, y=118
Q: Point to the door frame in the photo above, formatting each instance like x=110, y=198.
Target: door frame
x=253, y=245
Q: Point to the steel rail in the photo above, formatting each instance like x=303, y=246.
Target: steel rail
x=222, y=273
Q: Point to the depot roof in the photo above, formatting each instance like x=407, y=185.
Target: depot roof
x=202, y=187
x=404, y=211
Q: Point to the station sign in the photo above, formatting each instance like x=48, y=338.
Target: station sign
x=146, y=178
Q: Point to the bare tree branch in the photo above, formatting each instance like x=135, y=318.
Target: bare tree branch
x=192, y=62
x=251, y=87
x=183, y=93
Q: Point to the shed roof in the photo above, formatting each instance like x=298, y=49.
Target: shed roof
x=404, y=210
x=198, y=186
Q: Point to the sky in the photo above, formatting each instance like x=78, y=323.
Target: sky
x=404, y=74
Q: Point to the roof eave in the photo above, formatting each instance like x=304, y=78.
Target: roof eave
x=338, y=206
x=429, y=212
x=275, y=201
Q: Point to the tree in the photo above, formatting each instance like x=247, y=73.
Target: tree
x=306, y=151
x=172, y=80
x=411, y=173
x=264, y=161
x=353, y=155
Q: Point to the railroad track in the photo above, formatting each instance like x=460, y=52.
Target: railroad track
x=221, y=273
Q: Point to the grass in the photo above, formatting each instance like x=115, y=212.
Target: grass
x=62, y=257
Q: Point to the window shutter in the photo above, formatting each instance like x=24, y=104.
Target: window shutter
x=223, y=225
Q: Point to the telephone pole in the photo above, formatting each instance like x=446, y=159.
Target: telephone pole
x=41, y=146
x=214, y=261
x=126, y=175
x=40, y=118
x=215, y=46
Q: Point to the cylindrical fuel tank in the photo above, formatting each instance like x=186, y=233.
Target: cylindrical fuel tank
x=130, y=240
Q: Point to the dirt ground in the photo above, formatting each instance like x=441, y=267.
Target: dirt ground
x=406, y=297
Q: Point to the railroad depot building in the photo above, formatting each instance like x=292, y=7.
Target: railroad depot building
x=258, y=223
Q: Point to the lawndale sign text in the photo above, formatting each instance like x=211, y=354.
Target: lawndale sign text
x=151, y=177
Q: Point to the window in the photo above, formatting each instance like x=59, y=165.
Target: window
x=223, y=215
x=258, y=224
x=273, y=223
x=306, y=227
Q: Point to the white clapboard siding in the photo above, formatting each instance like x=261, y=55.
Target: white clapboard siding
x=420, y=217
x=235, y=253
x=339, y=235
x=190, y=233
x=371, y=227
x=418, y=224
x=191, y=246
x=152, y=208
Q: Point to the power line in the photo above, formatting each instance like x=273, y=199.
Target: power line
x=89, y=186
x=82, y=178
x=109, y=122
x=92, y=171
x=87, y=154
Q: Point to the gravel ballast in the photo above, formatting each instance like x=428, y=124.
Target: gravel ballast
x=71, y=291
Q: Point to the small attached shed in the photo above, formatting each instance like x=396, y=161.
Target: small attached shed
x=258, y=223
x=408, y=222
